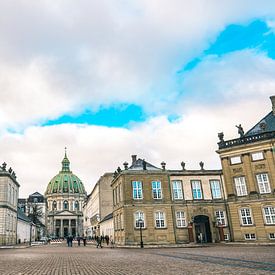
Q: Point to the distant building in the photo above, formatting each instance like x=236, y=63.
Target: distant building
x=106, y=226
x=25, y=228
x=65, y=196
x=9, y=188
x=170, y=206
x=99, y=204
x=35, y=208
x=248, y=164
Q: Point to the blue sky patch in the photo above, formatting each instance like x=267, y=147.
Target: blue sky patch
x=256, y=35
x=116, y=116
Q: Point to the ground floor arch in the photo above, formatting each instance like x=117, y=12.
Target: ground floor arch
x=202, y=229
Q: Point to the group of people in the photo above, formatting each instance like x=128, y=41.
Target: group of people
x=102, y=239
x=71, y=238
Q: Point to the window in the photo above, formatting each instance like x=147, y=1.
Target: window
x=246, y=216
x=196, y=189
x=269, y=213
x=177, y=190
x=257, y=156
x=226, y=237
x=137, y=190
x=156, y=189
x=76, y=205
x=263, y=183
x=240, y=186
x=216, y=189
x=250, y=236
x=235, y=160
x=159, y=218
x=220, y=217
x=272, y=236
x=139, y=219
x=65, y=205
x=181, y=221
x=54, y=205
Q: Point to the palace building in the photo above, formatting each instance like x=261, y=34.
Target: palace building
x=65, y=196
x=9, y=189
x=248, y=164
x=168, y=206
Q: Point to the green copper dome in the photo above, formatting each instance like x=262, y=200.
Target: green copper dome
x=65, y=181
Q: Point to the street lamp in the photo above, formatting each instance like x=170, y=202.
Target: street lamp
x=140, y=222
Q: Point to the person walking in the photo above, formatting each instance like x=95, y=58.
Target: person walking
x=98, y=240
x=84, y=240
x=78, y=240
x=107, y=240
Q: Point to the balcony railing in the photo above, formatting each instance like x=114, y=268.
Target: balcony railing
x=246, y=140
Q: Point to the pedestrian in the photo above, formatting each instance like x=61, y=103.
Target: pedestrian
x=68, y=241
x=71, y=241
x=84, y=240
x=78, y=240
x=112, y=242
x=107, y=240
x=98, y=240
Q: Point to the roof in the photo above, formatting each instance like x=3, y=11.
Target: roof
x=22, y=216
x=65, y=181
x=140, y=164
x=36, y=194
x=267, y=124
x=107, y=217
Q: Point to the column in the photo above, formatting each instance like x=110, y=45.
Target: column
x=61, y=228
x=70, y=230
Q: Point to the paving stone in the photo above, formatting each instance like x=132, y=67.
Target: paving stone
x=60, y=260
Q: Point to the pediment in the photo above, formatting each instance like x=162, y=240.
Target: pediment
x=65, y=213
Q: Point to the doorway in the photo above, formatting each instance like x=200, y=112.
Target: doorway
x=66, y=231
x=202, y=229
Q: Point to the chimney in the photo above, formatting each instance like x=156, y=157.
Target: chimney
x=272, y=98
x=134, y=159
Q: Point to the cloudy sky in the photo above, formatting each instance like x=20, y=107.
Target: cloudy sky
x=109, y=79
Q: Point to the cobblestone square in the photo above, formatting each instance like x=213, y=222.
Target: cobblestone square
x=90, y=260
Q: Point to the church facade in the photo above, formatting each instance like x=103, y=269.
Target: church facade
x=65, y=196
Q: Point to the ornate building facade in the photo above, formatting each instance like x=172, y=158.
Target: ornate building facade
x=65, y=196
x=248, y=164
x=9, y=188
x=168, y=206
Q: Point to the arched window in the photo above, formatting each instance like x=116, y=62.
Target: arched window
x=76, y=205
x=139, y=219
x=65, y=205
x=54, y=205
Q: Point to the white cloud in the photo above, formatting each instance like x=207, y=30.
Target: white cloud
x=59, y=57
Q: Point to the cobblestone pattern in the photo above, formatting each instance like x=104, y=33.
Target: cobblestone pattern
x=60, y=260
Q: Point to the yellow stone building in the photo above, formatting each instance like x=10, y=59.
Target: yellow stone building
x=163, y=206
x=248, y=164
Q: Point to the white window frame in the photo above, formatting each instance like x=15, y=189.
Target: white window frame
x=240, y=186
x=246, y=216
x=250, y=236
x=177, y=189
x=181, y=219
x=216, y=189
x=236, y=160
x=271, y=236
x=220, y=217
x=160, y=219
x=263, y=183
x=137, y=190
x=139, y=215
x=196, y=189
x=257, y=156
x=156, y=189
x=269, y=214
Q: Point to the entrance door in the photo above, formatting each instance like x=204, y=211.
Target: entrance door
x=202, y=229
x=57, y=233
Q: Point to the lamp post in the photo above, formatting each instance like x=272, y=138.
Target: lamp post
x=31, y=234
x=140, y=222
